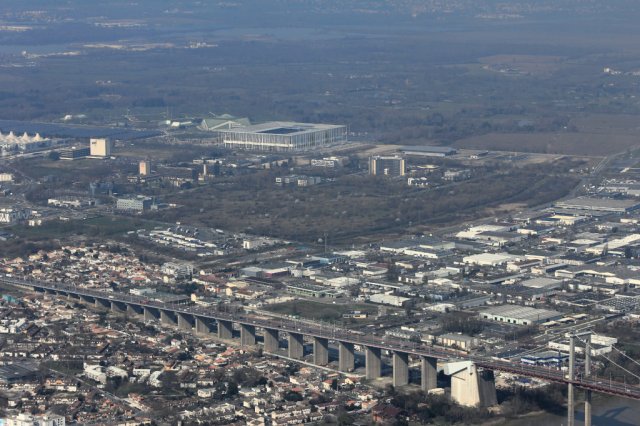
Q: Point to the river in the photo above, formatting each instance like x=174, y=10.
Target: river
x=607, y=411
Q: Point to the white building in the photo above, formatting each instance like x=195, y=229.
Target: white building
x=13, y=215
x=284, y=136
x=520, y=315
x=100, y=147
x=388, y=299
x=489, y=259
x=95, y=372
x=177, y=270
x=24, y=419
x=11, y=143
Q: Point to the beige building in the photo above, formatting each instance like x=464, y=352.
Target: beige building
x=99, y=147
x=144, y=168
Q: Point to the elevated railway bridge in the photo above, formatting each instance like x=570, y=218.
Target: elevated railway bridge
x=206, y=321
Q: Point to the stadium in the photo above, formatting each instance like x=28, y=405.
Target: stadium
x=284, y=136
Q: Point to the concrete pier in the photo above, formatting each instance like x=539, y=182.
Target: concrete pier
x=373, y=362
x=225, y=329
x=271, y=340
x=247, y=335
x=151, y=314
x=87, y=299
x=133, y=310
x=346, y=356
x=296, y=345
x=102, y=303
x=320, y=351
x=118, y=307
x=203, y=326
x=428, y=373
x=400, y=369
x=168, y=318
x=471, y=387
x=185, y=322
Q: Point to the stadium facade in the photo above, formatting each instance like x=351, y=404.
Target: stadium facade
x=284, y=136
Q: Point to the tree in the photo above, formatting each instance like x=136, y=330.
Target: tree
x=392, y=272
x=216, y=168
x=292, y=396
x=169, y=381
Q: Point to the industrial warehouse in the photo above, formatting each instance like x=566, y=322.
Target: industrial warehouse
x=521, y=315
x=284, y=136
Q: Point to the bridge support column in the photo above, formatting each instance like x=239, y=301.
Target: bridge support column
x=571, y=420
x=400, y=368
x=184, y=322
x=373, y=362
x=346, y=356
x=587, y=373
x=150, y=314
x=102, y=303
x=320, y=351
x=203, y=326
x=247, y=335
x=429, y=373
x=225, y=329
x=471, y=387
x=271, y=340
x=118, y=308
x=132, y=310
x=167, y=318
x=296, y=345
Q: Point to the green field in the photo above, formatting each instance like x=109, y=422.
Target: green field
x=320, y=311
x=101, y=226
x=54, y=233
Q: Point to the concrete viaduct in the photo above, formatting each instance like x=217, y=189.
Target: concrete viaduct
x=205, y=321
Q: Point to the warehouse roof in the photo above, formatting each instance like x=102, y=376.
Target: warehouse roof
x=429, y=148
x=592, y=203
x=522, y=312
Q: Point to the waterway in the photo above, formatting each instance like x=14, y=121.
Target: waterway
x=607, y=411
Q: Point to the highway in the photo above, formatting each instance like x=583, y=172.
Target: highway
x=385, y=343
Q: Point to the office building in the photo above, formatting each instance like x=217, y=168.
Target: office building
x=100, y=147
x=387, y=166
x=74, y=153
x=284, y=136
x=144, y=168
x=14, y=215
x=134, y=203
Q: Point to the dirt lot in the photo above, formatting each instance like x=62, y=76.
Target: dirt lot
x=593, y=144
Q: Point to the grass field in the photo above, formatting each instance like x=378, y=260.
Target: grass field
x=319, y=311
x=102, y=226
x=592, y=134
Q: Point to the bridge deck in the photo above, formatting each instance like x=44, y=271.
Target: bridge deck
x=385, y=343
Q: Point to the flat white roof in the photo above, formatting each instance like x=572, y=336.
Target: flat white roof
x=489, y=258
x=521, y=313
x=283, y=128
